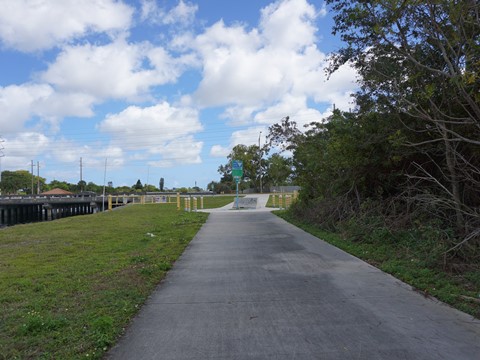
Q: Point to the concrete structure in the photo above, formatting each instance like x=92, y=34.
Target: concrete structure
x=18, y=210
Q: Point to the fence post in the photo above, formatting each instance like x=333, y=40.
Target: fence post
x=194, y=204
x=273, y=200
x=178, y=201
x=288, y=199
x=201, y=202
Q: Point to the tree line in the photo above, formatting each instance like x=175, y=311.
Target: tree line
x=21, y=182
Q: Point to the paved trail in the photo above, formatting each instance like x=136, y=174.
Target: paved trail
x=251, y=286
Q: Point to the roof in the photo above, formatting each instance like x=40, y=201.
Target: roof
x=57, y=191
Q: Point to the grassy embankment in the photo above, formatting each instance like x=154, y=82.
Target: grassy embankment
x=410, y=261
x=69, y=287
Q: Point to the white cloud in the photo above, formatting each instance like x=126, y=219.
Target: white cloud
x=117, y=70
x=183, y=13
x=252, y=71
x=249, y=136
x=68, y=153
x=149, y=10
x=138, y=127
x=26, y=144
x=19, y=103
x=219, y=151
x=161, y=130
x=93, y=155
x=293, y=106
x=179, y=151
x=238, y=115
x=30, y=25
x=289, y=24
x=246, y=137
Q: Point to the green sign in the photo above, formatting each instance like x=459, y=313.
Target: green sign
x=237, y=168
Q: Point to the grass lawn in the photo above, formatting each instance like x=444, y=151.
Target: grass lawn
x=68, y=287
x=215, y=201
x=410, y=265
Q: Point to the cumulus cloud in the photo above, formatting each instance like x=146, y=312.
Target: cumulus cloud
x=219, y=151
x=247, y=137
x=183, y=13
x=179, y=151
x=26, y=143
x=160, y=130
x=288, y=24
x=93, y=155
x=251, y=71
x=19, y=103
x=19, y=149
x=30, y=25
x=117, y=70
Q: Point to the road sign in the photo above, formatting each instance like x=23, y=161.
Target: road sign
x=237, y=168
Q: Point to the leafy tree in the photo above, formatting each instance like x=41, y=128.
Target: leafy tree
x=82, y=185
x=138, y=185
x=150, y=188
x=253, y=165
x=420, y=60
x=347, y=153
x=13, y=181
x=279, y=170
x=123, y=189
x=58, y=184
x=161, y=183
x=91, y=186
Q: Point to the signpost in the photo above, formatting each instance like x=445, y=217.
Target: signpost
x=237, y=173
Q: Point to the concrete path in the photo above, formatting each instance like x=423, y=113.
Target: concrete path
x=251, y=286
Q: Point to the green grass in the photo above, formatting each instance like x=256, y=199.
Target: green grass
x=69, y=287
x=215, y=201
x=408, y=262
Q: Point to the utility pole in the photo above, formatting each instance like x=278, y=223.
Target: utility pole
x=1, y=155
x=148, y=178
x=81, y=176
x=104, y=179
x=38, y=178
x=260, y=162
x=32, y=175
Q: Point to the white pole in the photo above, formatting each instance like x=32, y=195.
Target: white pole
x=104, y=178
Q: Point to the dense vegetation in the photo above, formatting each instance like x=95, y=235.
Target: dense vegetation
x=407, y=158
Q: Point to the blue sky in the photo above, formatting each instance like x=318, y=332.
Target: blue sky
x=159, y=88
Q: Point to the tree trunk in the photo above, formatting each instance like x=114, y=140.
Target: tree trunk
x=454, y=182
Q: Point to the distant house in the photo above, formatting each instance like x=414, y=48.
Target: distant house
x=58, y=192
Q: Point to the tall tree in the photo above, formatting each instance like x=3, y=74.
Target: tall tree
x=138, y=185
x=253, y=166
x=279, y=170
x=13, y=181
x=161, y=183
x=421, y=60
